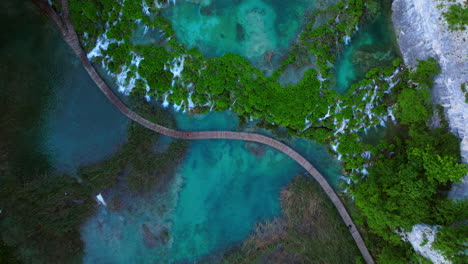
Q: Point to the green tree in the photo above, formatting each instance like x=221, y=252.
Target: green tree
x=453, y=241
x=412, y=106
x=424, y=74
x=457, y=17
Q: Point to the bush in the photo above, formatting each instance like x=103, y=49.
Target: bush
x=457, y=17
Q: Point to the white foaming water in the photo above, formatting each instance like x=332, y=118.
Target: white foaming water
x=126, y=84
x=100, y=199
x=327, y=115
x=338, y=107
x=145, y=8
x=102, y=43
x=364, y=171
x=390, y=113
x=189, y=101
x=366, y=155
x=165, y=103
x=178, y=107
x=177, y=66
x=334, y=147
x=320, y=78
x=347, y=39
x=341, y=130
x=158, y=5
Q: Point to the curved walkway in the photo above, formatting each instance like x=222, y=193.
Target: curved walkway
x=67, y=30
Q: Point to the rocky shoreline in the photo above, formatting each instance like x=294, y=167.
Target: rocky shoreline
x=422, y=32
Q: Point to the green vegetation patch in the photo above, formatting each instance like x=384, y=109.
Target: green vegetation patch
x=411, y=174
x=311, y=231
x=457, y=16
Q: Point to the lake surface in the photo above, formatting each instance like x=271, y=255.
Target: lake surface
x=67, y=121
x=221, y=190
x=81, y=125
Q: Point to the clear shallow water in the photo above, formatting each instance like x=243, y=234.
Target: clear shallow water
x=372, y=46
x=220, y=191
x=249, y=28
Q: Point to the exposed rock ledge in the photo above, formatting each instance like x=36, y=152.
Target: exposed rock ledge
x=421, y=33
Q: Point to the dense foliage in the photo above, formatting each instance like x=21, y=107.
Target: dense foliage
x=231, y=82
x=410, y=175
x=453, y=240
x=457, y=16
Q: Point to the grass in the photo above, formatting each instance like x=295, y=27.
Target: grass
x=310, y=231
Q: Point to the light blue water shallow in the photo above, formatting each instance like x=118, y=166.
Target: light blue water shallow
x=81, y=126
x=250, y=28
x=372, y=46
x=220, y=191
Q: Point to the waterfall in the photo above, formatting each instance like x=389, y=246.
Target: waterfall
x=145, y=8
x=100, y=199
x=347, y=39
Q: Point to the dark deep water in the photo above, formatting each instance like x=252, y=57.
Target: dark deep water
x=64, y=120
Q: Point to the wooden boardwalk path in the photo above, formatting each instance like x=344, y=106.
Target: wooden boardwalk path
x=67, y=30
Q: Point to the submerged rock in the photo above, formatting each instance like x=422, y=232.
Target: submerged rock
x=422, y=32
x=148, y=237
x=257, y=149
x=151, y=239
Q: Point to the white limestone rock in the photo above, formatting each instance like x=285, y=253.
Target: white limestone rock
x=421, y=238
x=422, y=32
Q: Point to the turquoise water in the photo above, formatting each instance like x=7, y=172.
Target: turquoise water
x=81, y=125
x=346, y=69
x=218, y=194
x=372, y=46
x=220, y=190
x=210, y=121
x=321, y=158
x=250, y=28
